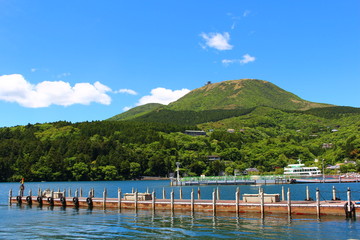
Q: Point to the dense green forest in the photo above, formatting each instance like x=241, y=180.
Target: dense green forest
x=263, y=137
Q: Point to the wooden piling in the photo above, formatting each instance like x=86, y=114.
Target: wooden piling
x=282, y=193
x=104, y=199
x=237, y=200
x=153, y=201
x=164, y=193
x=119, y=198
x=10, y=196
x=136, y=200
x=198, y=194
x=289, y=202
x=214, y=202
x=318, y=203
x=192, y=200
x=262, y=204
x=180, y=193
x=349, y=203
x=307, y=194
x=172, y=200
x=334, y=198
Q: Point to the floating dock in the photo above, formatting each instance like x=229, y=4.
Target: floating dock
x=261, y=203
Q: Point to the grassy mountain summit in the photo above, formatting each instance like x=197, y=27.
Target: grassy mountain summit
x=216, y=101
x=245, y=93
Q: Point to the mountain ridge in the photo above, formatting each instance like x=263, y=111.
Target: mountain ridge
x=243, y=94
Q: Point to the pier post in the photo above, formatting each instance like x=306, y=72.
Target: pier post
x=164, y=193
x=199, y=193
x=237, y=200
x=136, y=200
x=81, y=192
x=153, y=201
x=334, y=194
x=180, y=193
x=104, y=199
x=76, y=193
x=217, y=193
x=289, y=202
x=30, y=192
x=69, y=192
x=147, y=190
x=172, y=200
x=214, y=202
x=39, y=191
x=119, y=198
x=349, y=205
x=307, y=194
x=10, y=196
x=192, y=201
x=282, y=193
x=318, y=203
x=262, y=204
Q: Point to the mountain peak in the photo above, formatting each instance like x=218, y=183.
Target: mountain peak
x=243, y=93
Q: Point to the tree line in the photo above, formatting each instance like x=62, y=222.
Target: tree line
x=119, y=150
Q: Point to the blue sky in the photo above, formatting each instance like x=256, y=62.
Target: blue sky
x=89, y=60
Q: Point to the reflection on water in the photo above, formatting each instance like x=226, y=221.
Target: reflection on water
x=56, y=223
x=27, y=222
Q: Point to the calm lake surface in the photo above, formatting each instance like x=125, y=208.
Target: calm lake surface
x=56, y=223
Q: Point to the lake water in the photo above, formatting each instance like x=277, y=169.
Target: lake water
x=56, y=223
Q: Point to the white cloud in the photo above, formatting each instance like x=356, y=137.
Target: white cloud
x=246, y=59
x=126, y=109
x=128, y=91
x=217, y=40
x=14, y=88
x=163, y=96
x=229, y=61
x=62, y=75
x=246, y=13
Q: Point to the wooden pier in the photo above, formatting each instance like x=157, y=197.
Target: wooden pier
x=261, y=203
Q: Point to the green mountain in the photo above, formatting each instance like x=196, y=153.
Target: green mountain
x=245, y=93
x=217, y=101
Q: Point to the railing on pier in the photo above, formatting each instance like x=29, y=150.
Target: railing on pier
x=230, y=180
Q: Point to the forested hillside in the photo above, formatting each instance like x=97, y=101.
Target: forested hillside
x=262, y=137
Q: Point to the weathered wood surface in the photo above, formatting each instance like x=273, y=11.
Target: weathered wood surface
x=195, y=205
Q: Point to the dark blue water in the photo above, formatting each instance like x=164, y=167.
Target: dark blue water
x=57, y=223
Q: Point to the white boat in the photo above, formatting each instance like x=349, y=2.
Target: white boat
x=299, y=170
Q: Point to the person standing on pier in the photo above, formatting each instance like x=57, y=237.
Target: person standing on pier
x=22, y=187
